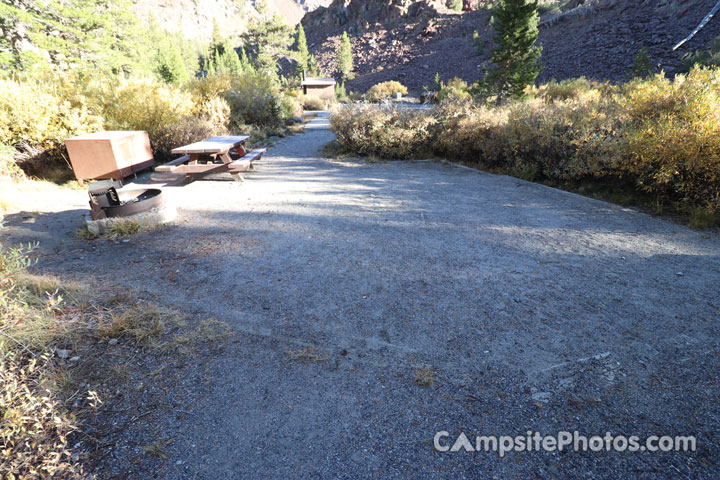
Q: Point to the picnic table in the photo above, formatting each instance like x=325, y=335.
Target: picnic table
x=213, y=155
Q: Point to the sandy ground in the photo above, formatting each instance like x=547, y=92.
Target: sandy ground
x=538, y=310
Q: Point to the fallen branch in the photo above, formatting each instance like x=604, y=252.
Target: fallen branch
x=699, y=27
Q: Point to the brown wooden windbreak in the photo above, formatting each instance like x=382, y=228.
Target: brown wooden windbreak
x=214, y=155
x=114, y=154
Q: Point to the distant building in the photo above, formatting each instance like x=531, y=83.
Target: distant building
x=319, y=87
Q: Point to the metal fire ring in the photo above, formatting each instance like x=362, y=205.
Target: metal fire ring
x=133, y=202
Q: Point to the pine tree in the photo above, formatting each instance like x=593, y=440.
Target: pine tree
x=229, y=61
x=217, y=40
x=313, y=66
x=83, y=35
x=303, y=55
x=516, y=55
x=245, y=62
x=344, y=58
x=642, y=67
x=268, y=40
x=170, y=65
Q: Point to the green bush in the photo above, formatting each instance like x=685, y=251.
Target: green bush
x=658, y=135
x=381, y=91
x=707, y=58
x=255, y=99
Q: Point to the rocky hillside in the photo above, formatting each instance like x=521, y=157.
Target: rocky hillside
x=412, y=40
x=195, y=18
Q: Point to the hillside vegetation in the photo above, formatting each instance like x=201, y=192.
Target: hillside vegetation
x=89, y=65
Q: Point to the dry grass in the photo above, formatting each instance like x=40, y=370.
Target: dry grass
x=142, y=323
x=306, y=355
x=208, y=332
x=124, y=228
x=35, y=426
x=425, y=377
x=85, y=234
x=45, y=396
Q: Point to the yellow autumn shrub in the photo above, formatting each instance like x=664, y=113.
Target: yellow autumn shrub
x=384, y=90
x=143, y=104
x=387, y=132
x=455, y=89
x=671, y=143
x=658, y=134
x=475, y=134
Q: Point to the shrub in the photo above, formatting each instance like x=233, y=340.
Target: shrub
x=211, y=86
x=658, y=136
x=386, y=132
x=565, y=90
x=34, y=430
x=642, y=66
x=215, y=111
x=142, y=104
x=32, y=112
x=34, y=427
x=671, y=144
x=341, y=94
x=8, y=167
x=456, y=5
x=384, y=90
x=183, y=132
x=254, y=99
x=707, y=58
x=36, y=120
x=456, y=89
x=478, y=134
x=312, y=102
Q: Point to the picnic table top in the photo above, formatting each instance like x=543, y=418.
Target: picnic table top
x=212, y=145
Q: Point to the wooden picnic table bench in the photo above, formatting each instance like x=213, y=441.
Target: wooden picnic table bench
x=213, y=155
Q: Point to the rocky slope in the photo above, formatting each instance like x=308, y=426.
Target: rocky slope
x=412, y=40
x=195, y=18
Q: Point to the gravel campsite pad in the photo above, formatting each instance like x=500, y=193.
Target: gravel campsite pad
x=372, y=305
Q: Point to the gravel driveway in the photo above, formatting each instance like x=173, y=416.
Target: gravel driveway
x=537, y=309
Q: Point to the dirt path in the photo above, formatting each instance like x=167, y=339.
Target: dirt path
x=537, y=309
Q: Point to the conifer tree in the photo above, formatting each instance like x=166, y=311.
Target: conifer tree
x=267, y=41
x=230, y=61
x=345, y=59
x=245, y=62
x=313, y=66
x=516, y=55
x=217, y=40
x=303, y=55
x=170, y=65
